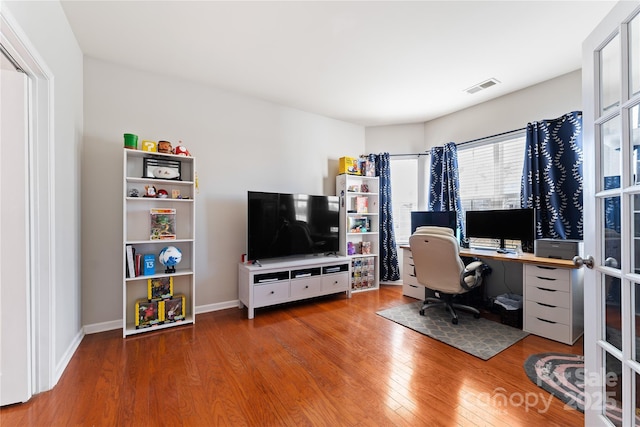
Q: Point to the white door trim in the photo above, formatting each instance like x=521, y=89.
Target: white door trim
x=42, y=214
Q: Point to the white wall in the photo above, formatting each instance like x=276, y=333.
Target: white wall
x=546, y=100
x=240, y=144
x=46, y=30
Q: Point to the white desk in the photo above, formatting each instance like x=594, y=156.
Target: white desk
x=552, y=288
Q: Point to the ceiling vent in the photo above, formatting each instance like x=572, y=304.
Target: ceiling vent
x=484, y=85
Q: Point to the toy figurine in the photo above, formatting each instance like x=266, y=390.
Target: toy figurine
x=165, y=147
x=181, y=150
x=150, y=191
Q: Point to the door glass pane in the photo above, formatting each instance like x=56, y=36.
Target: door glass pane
x=634, y=56
x=613, y=311
x=610, y=75
x=610, y=158
x=634, y=140
x=613, y=387
x=612, y=238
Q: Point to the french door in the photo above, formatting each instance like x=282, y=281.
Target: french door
x=611, y=118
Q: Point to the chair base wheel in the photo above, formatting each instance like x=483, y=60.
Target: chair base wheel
x=422, y=312
x=454, y=321
x=476, y=315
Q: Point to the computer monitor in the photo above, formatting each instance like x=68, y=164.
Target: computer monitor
x=439, y=218
x=502, y=224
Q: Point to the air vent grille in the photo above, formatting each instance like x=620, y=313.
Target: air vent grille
x=484, y=85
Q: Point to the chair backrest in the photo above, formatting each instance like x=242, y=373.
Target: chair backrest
x=436, y=257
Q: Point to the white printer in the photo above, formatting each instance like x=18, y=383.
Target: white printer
x=557, y=248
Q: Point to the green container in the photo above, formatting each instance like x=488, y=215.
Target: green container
x=131, y=141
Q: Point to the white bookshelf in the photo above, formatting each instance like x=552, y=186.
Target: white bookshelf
x=136, y=233
x=359, y=228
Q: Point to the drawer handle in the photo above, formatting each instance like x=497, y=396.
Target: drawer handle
x=412, y=275
x=414, y=286
x=335, y=282
x=546, y=278
x=547, y=305
x=306, y=287
x=545, y=320
x=544, y=267
x=548, y=290
x=272, y=292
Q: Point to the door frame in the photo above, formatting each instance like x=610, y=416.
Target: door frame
x=41, y=192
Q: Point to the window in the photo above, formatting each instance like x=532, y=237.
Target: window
x=490, y=172
x=404, y=195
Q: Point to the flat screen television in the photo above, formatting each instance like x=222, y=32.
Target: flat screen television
x=285, y=225
x=440, y=218
x=503, y=224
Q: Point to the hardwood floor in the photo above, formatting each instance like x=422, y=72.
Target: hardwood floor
x=332, y=361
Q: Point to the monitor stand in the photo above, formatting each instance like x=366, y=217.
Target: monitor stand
x=502, y=249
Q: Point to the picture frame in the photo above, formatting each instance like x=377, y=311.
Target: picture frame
x=171, y=169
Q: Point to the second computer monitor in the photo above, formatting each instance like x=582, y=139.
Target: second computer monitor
x=440, y=218
x=502, y=224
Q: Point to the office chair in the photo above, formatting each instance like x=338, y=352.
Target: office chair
x=438, y=267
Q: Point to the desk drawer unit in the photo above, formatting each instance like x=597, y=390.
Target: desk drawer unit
x=553, y=302
x=410, y=286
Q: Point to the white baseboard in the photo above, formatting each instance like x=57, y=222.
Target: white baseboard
x=66, y=357
x=117, y=324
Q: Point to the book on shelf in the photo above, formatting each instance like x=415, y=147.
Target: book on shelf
x=149, y=262
x=362, y=204
x=138, y=262
x=163, y=224
x=131, y=270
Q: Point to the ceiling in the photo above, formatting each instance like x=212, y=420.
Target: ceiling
x=365, y=62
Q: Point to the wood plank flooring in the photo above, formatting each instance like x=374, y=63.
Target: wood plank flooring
x=328, y=362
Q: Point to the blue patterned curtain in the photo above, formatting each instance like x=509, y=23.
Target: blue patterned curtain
x=552, y=176
x=444, y=192
x=389, y=267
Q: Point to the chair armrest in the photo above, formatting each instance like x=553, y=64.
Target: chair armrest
x=473, y=266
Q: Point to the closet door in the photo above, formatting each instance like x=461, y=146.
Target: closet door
x=15, y=355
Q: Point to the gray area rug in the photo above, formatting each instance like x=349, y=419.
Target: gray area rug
x=480, y=337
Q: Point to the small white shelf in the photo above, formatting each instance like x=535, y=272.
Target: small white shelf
x=364, y=268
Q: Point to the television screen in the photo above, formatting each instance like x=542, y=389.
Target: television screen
x=282, y=225
x=502, y=224
x=441, y=218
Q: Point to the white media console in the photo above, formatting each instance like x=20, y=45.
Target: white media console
x=280, y=281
